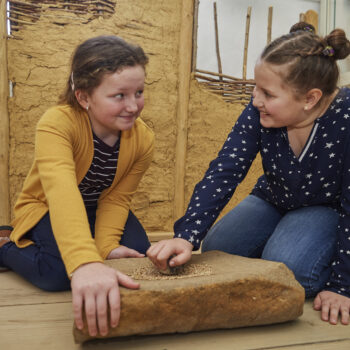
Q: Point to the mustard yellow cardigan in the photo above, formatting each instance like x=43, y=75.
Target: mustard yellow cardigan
x=63, y=154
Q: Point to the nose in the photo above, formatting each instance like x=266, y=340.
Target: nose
x=256, y=99
x=131, y=105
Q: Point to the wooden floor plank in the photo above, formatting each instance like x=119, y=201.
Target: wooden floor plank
x=49, y=326
x=337, y=345
x=22, y=292
x=33, y=320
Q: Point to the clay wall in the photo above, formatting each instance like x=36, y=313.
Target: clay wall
x=38, y=63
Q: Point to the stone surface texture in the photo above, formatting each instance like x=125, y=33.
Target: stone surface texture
x=240, y=292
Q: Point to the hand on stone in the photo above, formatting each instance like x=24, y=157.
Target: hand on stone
x=124, y=252
x=95, y=286
x=160, y=252
x=331, y=305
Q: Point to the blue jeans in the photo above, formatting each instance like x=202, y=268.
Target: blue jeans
x=303, y=239
x=41, y=263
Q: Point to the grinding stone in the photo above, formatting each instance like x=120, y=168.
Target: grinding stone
x=240, y=292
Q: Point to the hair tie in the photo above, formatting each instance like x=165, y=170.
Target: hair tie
x=328, y=51
x=72, y=81
x=308, y=29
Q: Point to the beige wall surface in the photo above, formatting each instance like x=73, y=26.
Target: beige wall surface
x=38, y=67
x=210, y=121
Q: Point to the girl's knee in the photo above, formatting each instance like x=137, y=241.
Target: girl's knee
x=212, y=241
x=311, y=274
x=290, y=259
x=207, y=246
x=52, y=276
x=54, y=282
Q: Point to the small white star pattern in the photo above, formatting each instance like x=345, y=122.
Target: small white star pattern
x=320, y=175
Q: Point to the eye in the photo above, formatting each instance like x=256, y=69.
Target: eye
x=120, y=96
x=139, y=93
x=268, y=95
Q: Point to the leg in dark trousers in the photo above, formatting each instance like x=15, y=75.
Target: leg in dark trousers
x=41, y=263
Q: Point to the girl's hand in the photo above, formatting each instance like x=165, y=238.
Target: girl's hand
x=124, y=252
x=160, y=252
x=331, y=304
x=95, y=286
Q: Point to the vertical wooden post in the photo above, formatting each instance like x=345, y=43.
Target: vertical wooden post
x=217, y=47
x=245, y=57
x=311, y=17
x=269, y=25
x=185, y=53
x=195, y=35
x=4, y=121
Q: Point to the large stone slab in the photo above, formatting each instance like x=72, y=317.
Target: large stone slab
x=234, y=292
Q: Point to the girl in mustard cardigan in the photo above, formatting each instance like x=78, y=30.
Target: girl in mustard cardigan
x=91, y=152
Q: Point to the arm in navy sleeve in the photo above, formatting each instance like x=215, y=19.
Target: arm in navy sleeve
x=339, y=281
x=225, y=173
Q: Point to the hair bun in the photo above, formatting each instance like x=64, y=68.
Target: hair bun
x=340, y=44
x=303, y=26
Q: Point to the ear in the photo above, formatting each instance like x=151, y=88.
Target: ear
x=313, y=96
x=82, y=98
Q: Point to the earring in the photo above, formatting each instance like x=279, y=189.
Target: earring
x=306, y=108
x=87, y=107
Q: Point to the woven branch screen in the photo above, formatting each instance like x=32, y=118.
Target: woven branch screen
x=61, y=12
x=232, y=90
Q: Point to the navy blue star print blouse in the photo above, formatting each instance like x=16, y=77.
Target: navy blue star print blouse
x=320, y=175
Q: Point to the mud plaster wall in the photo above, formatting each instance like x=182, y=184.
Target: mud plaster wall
x=210, y=121
x=38, y=67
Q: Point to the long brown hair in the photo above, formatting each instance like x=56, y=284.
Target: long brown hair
x=96, y=57
x=310, y=59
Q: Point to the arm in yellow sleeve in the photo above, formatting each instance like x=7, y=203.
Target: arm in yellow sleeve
x=113, y=207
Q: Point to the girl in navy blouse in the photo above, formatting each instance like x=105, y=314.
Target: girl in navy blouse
x=299, y=211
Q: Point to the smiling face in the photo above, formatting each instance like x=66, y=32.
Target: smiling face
x=277, y=102
x=115, y=104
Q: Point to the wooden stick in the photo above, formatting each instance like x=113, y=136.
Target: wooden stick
x=22, y=14
x=233, y=89
x=216, y=74
x=224, y=82
x=217, y=39
x=195, y=35
x=67, y=5
x=245, y=58
x=14, y=27
x=269, y=24
x=4, y=122
x=231, y=95
x=102, y=2
x=239, y=97
x=19, y=21
x=101, y=10
x=185, y=53
x=24, y=3
x=230, y=90
x=22, y=10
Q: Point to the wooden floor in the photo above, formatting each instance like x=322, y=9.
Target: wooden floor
x=31, y=319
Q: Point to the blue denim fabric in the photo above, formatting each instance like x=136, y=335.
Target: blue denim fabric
x=41, y=263
x=303, y=239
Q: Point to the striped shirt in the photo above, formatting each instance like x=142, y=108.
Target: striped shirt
x=101, y=172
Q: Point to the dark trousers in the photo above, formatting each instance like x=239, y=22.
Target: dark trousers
x=41, y=263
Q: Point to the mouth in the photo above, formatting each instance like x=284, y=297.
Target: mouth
x=127, y=117
x=263, y=114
